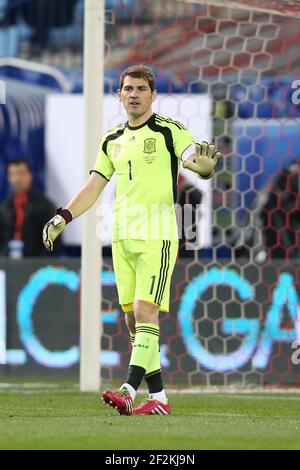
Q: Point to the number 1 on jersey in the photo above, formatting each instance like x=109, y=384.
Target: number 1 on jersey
x=130, y=175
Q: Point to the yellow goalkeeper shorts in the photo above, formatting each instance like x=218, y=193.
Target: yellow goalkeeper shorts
x=143, y=270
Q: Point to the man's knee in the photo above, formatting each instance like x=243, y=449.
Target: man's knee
x=145, y=312
x=130, y=322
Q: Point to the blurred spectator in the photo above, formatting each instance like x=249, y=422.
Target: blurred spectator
x=23, y=215
x=8, y=13
x=190, y=195
x=280, y=215
x=42, y=15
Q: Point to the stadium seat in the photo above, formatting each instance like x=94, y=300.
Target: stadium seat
x=9, y=41
x=22, y=130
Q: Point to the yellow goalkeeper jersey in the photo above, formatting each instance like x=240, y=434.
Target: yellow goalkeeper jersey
x=146, y=160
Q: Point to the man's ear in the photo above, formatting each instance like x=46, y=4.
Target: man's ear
x=154, y=95
x=119, y=94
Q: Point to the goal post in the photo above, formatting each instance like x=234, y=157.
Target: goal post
x=91, y=262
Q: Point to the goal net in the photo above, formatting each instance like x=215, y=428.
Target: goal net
x=234, y=298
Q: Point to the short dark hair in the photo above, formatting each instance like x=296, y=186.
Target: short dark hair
x=19, y=161
x=138, y=71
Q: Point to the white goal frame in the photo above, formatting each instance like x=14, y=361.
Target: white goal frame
x=91, y=261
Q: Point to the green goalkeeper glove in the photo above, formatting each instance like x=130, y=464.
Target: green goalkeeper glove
x=205, y=160
x=55, y=226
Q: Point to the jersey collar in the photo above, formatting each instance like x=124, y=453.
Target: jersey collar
x=132, y=128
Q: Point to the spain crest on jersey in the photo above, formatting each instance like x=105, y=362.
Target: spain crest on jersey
x=149, y=145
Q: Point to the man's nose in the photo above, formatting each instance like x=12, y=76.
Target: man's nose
x=134, y=93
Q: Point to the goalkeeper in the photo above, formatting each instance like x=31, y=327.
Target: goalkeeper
x=145, y=154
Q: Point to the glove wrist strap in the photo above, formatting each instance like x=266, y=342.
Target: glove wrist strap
x=65, y=214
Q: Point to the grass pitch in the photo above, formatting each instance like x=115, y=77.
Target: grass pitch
x=60, y=417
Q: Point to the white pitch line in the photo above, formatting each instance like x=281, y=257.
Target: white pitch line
x=34, y=386
x=257, y=392
x=234, y=391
